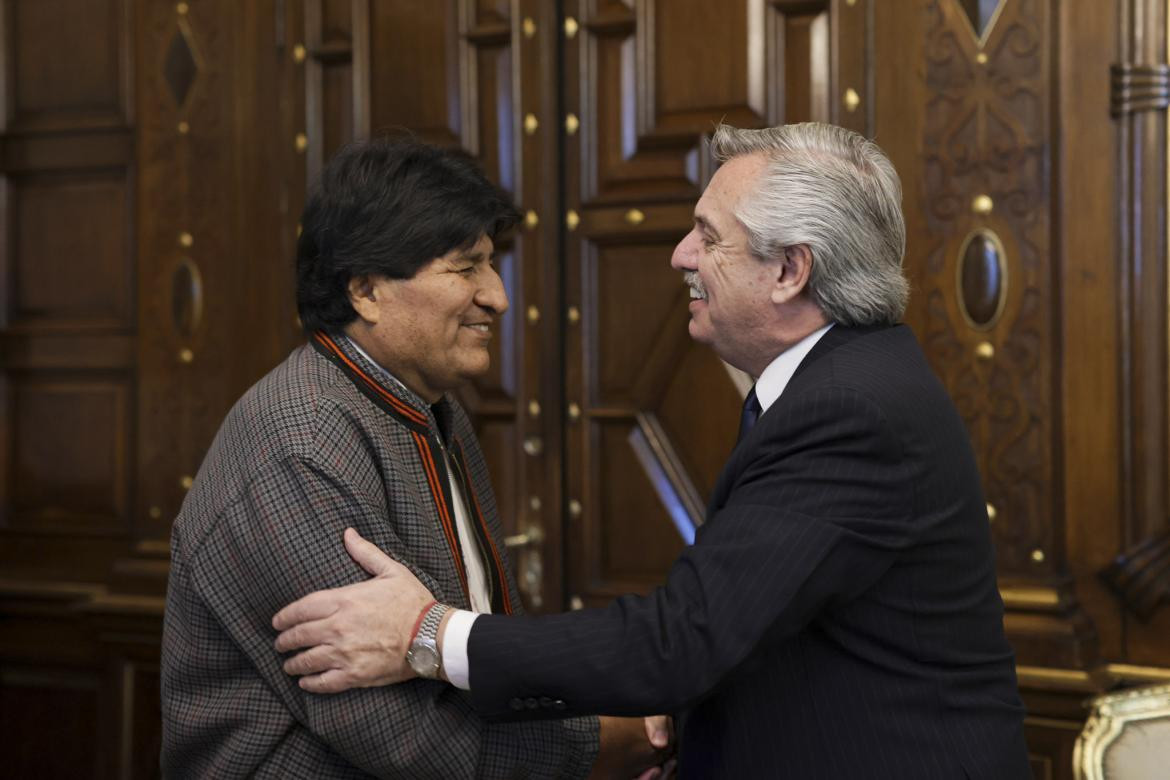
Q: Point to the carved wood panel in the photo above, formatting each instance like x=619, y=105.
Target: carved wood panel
x=80, y=77
x=428, y=49
x=986, y=166
x=67, y=270
x=216, y=304
x=145, y=248
x=45, y=293
x=648, y=95
x=70, y=449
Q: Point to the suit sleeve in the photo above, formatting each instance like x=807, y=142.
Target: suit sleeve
x=818, y=514
x=282, y=540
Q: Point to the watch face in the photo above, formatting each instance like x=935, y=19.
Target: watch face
x=423, y=660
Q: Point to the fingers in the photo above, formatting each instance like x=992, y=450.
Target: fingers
x=371, y=558
x=315, y=606
x=653, y=773
x=313, y=661
x=315, y=632
x=658, y=729
x=331, y=681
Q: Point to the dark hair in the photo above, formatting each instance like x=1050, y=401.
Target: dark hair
x=388, y=206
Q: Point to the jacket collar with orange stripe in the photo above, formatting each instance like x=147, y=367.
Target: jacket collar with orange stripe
x=383, y=388
x=389, y=394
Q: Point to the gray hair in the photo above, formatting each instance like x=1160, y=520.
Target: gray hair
x=837, y=192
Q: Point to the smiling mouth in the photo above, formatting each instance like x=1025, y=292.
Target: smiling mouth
x=697, y=290
x=483, y=328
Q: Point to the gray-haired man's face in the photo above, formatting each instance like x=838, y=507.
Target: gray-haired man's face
x=730, y=288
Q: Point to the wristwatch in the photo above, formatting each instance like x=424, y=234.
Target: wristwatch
x=423, y=656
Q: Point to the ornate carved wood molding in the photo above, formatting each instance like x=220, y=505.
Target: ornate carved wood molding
x=985, y=168
x=1141, y=575
x=1140, y=93
x=1135, y=88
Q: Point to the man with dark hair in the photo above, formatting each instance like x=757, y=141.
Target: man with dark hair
x=397, y=293
x=837, y=616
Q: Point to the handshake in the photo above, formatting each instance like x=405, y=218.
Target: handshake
x=630, y=746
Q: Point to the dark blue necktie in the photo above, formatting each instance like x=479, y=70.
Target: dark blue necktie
x=751, y=413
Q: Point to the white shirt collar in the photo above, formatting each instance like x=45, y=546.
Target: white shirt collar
x=779, y=372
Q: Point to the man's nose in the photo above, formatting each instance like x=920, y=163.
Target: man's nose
x=491, y=294
x=684, y=257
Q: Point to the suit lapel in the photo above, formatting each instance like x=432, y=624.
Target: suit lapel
x=836, y=336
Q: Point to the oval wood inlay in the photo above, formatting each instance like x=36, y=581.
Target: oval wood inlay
x=186, y=298
x=982, y=278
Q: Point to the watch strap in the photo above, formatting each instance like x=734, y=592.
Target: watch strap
x=425, y=643
x=429, y=626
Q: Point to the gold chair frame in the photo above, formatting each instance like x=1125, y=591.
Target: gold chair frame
x=1112, y=713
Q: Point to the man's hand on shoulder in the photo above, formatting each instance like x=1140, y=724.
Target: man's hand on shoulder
x=357, y=636
x=641, y=747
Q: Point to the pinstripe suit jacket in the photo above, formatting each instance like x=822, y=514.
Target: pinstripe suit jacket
x=837, y=616
x=317, y=445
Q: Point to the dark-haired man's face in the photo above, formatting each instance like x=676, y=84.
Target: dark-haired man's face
x=432, y=331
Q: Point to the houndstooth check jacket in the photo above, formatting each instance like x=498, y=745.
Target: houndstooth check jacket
x=317, y=445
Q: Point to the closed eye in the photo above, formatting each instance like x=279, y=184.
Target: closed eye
x=474, y=262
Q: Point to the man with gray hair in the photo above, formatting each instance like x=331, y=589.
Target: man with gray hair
x=837, y=616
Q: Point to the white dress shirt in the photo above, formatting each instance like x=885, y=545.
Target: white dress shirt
x=768, y=388
x=779, y=372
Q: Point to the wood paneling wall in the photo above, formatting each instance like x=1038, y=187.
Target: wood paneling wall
x=145, y=257
x=153, y=161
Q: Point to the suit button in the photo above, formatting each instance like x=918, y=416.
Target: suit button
x=516, y=704
x=545, y=702
x=559, y=704
x=530, y=703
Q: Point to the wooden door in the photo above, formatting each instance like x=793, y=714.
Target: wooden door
x=143, y=287
x=650, y=415
x=68, y=316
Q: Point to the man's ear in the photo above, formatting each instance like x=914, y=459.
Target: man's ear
x=795, y=270
x=363, y=296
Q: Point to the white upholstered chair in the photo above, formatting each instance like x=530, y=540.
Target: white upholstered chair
x=1127, y=736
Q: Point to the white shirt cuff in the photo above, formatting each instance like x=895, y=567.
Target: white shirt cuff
x=455, y=637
